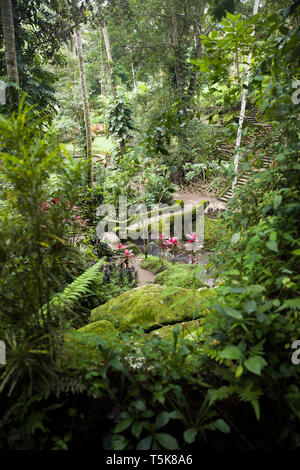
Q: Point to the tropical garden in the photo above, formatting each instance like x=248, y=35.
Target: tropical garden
x=149, y=225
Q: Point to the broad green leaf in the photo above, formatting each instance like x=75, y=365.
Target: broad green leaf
x=122, y=425
x=161, y=420
x=232, y=312
x=115, y=364
x=139, y=405
x=272, y=245
x=219, y=425
x=119, y=443
x=231, y=352
x=255, y=364
x=277, y=201
x=189, y=435
x=136, y=429
x=145, y=443
x=166, y=441
x=249, y=306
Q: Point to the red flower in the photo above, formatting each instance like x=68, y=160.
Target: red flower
x=173, y=241
x=128, y=253
x=54, y=200
x=192, y=237
x=44, y=205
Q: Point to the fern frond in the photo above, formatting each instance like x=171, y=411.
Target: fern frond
x=221, y=393
x=73, y=291
x=249, y=392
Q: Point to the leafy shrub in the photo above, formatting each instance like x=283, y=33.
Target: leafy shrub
x=188, y=276
x=88, y=202
x=158, y=189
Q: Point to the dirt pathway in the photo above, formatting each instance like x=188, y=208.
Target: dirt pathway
x=144, y=276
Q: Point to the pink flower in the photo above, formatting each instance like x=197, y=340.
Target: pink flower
x=163, y=236
x=128, y=253
x=77, y=217
x=44, y=205
x=192, y=237
x=172, y=241
x=120, y=246
x=54, y=200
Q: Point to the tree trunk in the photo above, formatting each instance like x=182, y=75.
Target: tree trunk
x=109, y=59
x=175, y=45
x=133, y=75
x=86, y=108
x=243, y=108
x=195, y=73
x=10, y=42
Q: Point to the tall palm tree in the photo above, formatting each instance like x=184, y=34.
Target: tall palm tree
x=10, y=40
x=86, y=108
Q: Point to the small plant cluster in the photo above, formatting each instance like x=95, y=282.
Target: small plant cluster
x=126, y=275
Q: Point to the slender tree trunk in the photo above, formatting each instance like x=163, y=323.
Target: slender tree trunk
x=10, y=42
x=133, y=75
x=175, y=45
x=86, y=108
x=109, y=59
x=103, y=77
x=195, y=73
x=243, y=108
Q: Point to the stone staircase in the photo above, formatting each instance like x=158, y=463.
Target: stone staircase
x=243, y=179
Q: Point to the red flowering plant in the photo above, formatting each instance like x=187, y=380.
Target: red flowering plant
x=124, y=253
x=61, y=216
x=193, y=246
x=169, y=245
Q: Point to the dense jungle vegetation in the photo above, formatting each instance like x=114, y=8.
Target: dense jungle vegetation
x=176, y=343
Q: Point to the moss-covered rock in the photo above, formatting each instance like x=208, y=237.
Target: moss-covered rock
x=81, y=346
x=153, y=305
x=101, y=327
x=186, y=328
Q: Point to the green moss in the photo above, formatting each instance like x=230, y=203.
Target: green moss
x=152, y=305
x=80, y=345
x=100, y=327
x=181, y=275
x=176, y=275
x=186, y=328
x=155, y=264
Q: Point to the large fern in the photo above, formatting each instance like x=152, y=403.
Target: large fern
x=72, y=293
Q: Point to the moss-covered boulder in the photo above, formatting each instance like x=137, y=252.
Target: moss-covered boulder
x=152, y=306
x=187, y=329
x=101, y=327
x=81, y=346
